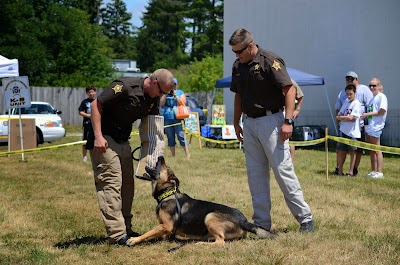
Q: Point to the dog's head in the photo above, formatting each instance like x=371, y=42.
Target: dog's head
x=162, y=175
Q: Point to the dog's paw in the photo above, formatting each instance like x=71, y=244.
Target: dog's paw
x=132, y=241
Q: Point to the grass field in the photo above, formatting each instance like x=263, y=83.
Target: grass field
x=49, y=212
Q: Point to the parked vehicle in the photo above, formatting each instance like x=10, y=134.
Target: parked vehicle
x=49, y=125
x=195, y=107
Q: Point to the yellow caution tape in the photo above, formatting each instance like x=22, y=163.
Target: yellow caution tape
x=368, y=146
x=307, y=143
x=42, y=148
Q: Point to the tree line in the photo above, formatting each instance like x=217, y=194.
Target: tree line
x=69, y=43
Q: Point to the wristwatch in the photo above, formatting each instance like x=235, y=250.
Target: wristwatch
x=289, y=121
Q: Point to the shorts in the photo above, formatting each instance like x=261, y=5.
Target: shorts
x=376, y=134
x=362, y=139
x=171, y=131
x=85, y=133
x=345, y=147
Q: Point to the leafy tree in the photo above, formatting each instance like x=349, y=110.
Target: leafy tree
x=21, y=32
x=76, y=53
x=200, y=75
x=55, y=45
x=190, y=29
x=92, y=8
x=116, y=26
x=206, y=23
x=160, y=41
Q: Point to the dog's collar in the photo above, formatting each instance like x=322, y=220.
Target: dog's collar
x=162, y=194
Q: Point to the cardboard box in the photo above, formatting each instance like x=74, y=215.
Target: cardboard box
x=28, y=133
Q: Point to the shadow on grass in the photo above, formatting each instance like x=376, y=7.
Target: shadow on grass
x=87, y=240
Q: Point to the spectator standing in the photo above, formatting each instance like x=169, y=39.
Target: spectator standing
x=169, y=103
x=349, y=126
x=297, y=108
x=113, y=112
x=364, y=96
x=85, y=111
x=376, y=116
x=262, y=90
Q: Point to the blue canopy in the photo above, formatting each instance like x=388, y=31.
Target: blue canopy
x=302, y=79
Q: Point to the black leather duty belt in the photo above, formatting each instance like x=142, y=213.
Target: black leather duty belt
x=265, y=113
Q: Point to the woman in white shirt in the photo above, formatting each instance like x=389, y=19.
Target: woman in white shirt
x=376, y=114
x=349, y=126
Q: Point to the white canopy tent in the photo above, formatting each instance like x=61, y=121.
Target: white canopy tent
x=8, y=67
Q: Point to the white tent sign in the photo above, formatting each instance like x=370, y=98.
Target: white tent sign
x=16, y=93
x=8, y=67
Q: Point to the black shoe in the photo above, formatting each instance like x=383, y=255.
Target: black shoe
x=307, y=227
x=132, y=233
x=337, y=172
x=125, y=241
x=355, y=171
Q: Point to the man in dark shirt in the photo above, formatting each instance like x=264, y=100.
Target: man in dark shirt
x=85, y=111
x=113, y=112
x=264, y=93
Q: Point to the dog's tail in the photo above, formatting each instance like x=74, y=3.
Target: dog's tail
x=260, y=232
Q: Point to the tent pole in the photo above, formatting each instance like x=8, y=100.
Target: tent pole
x=330, y=110
x=209, y=113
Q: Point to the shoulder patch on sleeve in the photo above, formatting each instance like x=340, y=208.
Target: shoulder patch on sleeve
x=276, y=65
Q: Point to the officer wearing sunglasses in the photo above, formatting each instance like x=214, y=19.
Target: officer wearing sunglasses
x=264, y=93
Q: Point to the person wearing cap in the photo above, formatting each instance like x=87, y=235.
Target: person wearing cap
x=173, y=126
x=265, y=95
x=364, y=96
x=112, y=113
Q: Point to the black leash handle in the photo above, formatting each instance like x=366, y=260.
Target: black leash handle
x=133, y=153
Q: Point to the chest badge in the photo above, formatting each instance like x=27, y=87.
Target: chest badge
x=276, y=65
x=117, y=89
x=257, y=67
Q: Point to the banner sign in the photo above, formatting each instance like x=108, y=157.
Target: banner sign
x=16, y=92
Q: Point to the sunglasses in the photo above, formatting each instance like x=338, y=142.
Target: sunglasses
x=159, y=88
x=242, y=50
x=373, y=85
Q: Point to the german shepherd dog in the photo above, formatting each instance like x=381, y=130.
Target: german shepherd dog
x=190, y=219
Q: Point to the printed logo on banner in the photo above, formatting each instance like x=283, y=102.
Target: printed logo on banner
x=16, y=93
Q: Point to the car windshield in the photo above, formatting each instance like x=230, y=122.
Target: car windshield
x=38, y=109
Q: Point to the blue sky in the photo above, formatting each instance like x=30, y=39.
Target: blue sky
x=135, y=7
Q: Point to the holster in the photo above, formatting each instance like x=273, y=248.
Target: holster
x=151, y=132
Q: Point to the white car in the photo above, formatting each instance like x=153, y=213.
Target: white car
x=49, y=125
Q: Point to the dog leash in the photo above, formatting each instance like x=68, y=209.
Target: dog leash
x=173, y=236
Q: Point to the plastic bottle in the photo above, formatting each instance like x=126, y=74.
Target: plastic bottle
x=370, y=110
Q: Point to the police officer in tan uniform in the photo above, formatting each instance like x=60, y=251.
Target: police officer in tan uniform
x=113, y=112
x=264, y=93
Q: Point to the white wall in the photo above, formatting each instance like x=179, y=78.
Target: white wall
x=325, y=38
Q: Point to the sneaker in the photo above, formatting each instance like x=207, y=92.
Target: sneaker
x=307, y=227
x=84, y=159
x=371, y=174
x=337, y=172
x=378, y=175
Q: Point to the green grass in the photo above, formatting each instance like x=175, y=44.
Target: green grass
x=49, y=212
